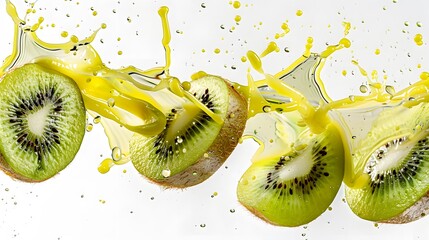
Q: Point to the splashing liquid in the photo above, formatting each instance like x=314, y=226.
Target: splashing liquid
x=279, y=105
x=129, y=100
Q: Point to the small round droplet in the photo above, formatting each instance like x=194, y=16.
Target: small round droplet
x=266, y=109
x=363, y=89
x=352, y=98
x=203, y=225
x=232, y=210
x=419, y=24
x=184, y=150
x=111, y=102
x=203, y=5
x=206, y=155
x=97, y=120
x=179, y=139
x=89, y=127
x=166, y=173
x=390, y=90
x=116, y=154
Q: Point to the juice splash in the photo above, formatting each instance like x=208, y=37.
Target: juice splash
x=136, y=99
x=130, y=100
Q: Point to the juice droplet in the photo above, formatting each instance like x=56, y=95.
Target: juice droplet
x=419, y=24
x=217, y=51
x=186, y=85
x=120, y=53
x=266, y=109
x=111, y=102
x=116, y=154
x=166, y=173
x=418, y=39
x=243, y=59
x=97, y=120
x=272, y=47
x=344, y=73
x=203, y=5
x=89, y=127
x=74, y=39
x=232, y=210
x=103, y=26
x=347, y=27
x=390, y=90
x=363, y=89
x=308, y=47
x=236, y=4
x=299, y=12
x=64, y=34
x=377, y=51
x=94, y=13
x=202, y=225
x=255, y=61
x=237, y=18
x=105, y=165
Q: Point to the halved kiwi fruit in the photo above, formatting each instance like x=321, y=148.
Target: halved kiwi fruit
x=297, y=187
x=395, y=154
x=42, y=122
x=193, y=146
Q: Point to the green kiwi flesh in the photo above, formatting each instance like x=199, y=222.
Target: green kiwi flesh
x=193, y=146
x=396, y=157
x=299, y=186
x=42, y=122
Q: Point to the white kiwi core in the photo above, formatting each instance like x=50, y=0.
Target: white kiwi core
x=298, y=166
x=37, y=120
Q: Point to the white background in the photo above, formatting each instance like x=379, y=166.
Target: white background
x=70, y=206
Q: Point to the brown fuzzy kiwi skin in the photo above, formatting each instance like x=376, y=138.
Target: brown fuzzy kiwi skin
x=219, y=151
x=418, y=210
x=8, y=170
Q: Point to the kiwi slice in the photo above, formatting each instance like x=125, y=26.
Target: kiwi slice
x=193, y=146
x=395, y=156
x=297, y=187
x=42, y=122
